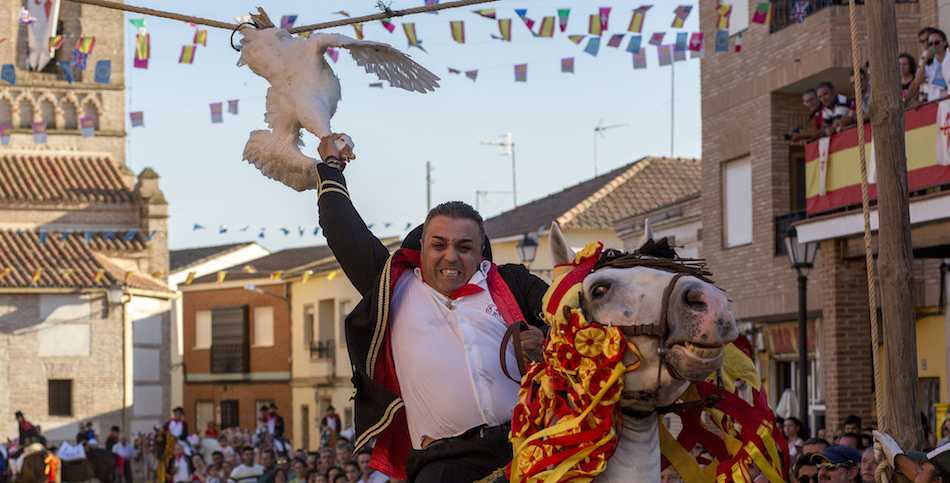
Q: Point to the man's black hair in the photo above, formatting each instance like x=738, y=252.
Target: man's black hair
x=852, y=419
x=810, y=90
x=816, y=441
x=925, y=30
x=940, y=33
x=825, y=84
x=458, y=210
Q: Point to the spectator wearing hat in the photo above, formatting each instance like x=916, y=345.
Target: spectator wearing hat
x=838, y=464
x=805, y=470
x=177, y=426
x=113, y=437
x=923, y=467
x=28, y=433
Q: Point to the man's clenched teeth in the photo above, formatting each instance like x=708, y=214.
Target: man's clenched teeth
x=448, y=272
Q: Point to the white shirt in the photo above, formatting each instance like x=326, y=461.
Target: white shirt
x=124, y=450
x=935, y=92
x=447, y=359
x=376, y=477
x=175, y=427
x=181, y=469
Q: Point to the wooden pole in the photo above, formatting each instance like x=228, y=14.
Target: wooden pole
x=895, y=256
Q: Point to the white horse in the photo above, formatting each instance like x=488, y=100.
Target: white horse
x=678, y=322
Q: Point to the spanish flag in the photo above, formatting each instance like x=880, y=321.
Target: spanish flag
x=201, y=37
x=5, y=272
x=504, y=27
x=128, y=275
x=358, y=28
x=724, y=11
x=249, y=269
x=99, y=274
x=187, y=54
x=458, y=31
x=276, y=275
x=37, y=274
x=410, y=29
x=86, y=43
x=636, y=22
x=305, y=276
x=191, y=278
x=595, y=27
x=547, y=27
x=221, y=275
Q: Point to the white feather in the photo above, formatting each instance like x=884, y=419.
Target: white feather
x=304, y=93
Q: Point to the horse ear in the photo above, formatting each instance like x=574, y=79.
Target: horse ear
x=647, y=234
x=561, y=252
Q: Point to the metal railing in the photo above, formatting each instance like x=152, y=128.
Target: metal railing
x=322, y=349
x=229, y=358
x=782, y=10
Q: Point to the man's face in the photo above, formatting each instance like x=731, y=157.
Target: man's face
x=928, y=473
x=451, y=252
x=790, y=428
x=868, y=464
x=343, y=455
x=352, y=473
x=217, y=459
x=300, y=469
x=363, y=461
x=247, y=457
x=937, y=42
x=814, y=448
x=811, y=101
x=924, y=38
x=852, y=428
x=179, y=414
x=273, y=411
x=326, y=460
x=849, y=441
x=267, y=459
x=827, y=96
x=840, y=474
x=807, y=474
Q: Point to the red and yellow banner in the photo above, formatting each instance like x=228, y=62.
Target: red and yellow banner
x=834, y=181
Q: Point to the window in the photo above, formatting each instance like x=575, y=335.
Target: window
x=327, y=314
x=203, y=329
x=61, y=397
x=737, y=202
x=308, y=321
x=229, y=348
x=346, y=306
x=264, y=326
x=204, y=414
x=230, y=416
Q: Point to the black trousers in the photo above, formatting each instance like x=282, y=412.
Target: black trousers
x=466, y=458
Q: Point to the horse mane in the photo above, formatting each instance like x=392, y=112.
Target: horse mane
x=655, y=254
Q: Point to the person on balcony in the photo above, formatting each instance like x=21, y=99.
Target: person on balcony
x=810, y=99
x=851, y=118
x=908, y=70
x=932, y=79
x=834, y=107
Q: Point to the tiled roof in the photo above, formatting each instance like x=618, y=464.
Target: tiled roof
x=597, y=203
x=56, y=178
x=182, y=258
x=284, y=260
x=69, y=262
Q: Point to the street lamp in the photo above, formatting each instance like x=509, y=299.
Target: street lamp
x=115, y=293
x=527, y=248
x=802, y=258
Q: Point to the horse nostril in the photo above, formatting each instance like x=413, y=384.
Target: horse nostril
x=694, y=299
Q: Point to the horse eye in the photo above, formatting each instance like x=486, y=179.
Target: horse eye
x=599, y=291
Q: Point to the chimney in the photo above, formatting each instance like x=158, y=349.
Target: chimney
x=153, y=221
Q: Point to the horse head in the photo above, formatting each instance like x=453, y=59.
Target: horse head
x=667, y=308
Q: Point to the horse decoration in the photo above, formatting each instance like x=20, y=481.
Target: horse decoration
x=633, y=335
x=42, y=466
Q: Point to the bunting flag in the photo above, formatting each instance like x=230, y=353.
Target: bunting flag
x=305, y=276
x=42, y=21
x=636, y=22
x=722, y=41
x=547, y=27
x=88, y=126
x=37, y=274
x=187, y=55
x=275, y=275
x=594, y=26
x=5, y=272
x=358, y=29
x=334, y=54
x=799, y=12
x=604, y=14
x=562, y=15
x=201, y=37
x=615, y=40
x=521, y=73
x=8, y=74
x=763, y=13
x=665, y=54
x=103, y=72
x=471, y=74
x=700, y=50
x=67, y=68
x=432, y=2
x=233, y=106
x=577, y=39
x=341, y=12
x=128, y=276
x=681, y=13
x=410, y=29
x=305, y=35
x=190, y=278
x=87, y=237
x=593, y=45
x=739, y=42
x=523, y=13
x=86, y=43
x=137, y=118
x=332, y=275
x=504, y=27
x=222, y=228
x=43, y=236
x=109, y=234
x=221, y=275
x=138, y=23
x=249, y=269
x=142, y=51
x=567, y=65
x=157, y=274
x=640, y=59
x=724, y=11
x=5, y=135
x=55, y=42
x=79, y=59
x=696, y=42
x=100, y=273
x=454, y=71
x=217, y=112
x=657, y=38
x=287, y=21
x=634, y=45
x=376, y=84
x=39, y=132
x=26, y=18
x=682, y=42
x=387, y=24
x=487, y=13
x=458, y=31
x=150, y=235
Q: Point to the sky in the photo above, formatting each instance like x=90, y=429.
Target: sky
x=551, y=117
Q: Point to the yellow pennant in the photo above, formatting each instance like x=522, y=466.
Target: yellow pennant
x=332, y=275
x=5, y=272
x=191, y=278
x=221, y=275
x=276, y=275
x=37, y=274
x=306, y=276
x=128, y=275
x=99, y=274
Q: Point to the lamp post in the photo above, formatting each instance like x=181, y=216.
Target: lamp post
x=802, y=258
x=527, y=249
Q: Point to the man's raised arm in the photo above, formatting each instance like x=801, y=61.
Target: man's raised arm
x=359, y=252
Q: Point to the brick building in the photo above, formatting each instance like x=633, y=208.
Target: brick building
x=754, y=186
x=84, y=304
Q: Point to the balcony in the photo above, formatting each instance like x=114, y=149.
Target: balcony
x=782, y=10
x=322, y=362
x=229, y=358
x=833, y=177
x=322, y=349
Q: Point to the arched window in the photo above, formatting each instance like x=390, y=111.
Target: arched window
x=6, y=114
x=89, y=110
x=26, y=114
x=69, y=116
x=48, y=114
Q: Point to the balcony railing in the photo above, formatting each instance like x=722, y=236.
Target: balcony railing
x=322, y=349
x=229, y=358
x=833, y=180
x=782, y=222
x=782, y=10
